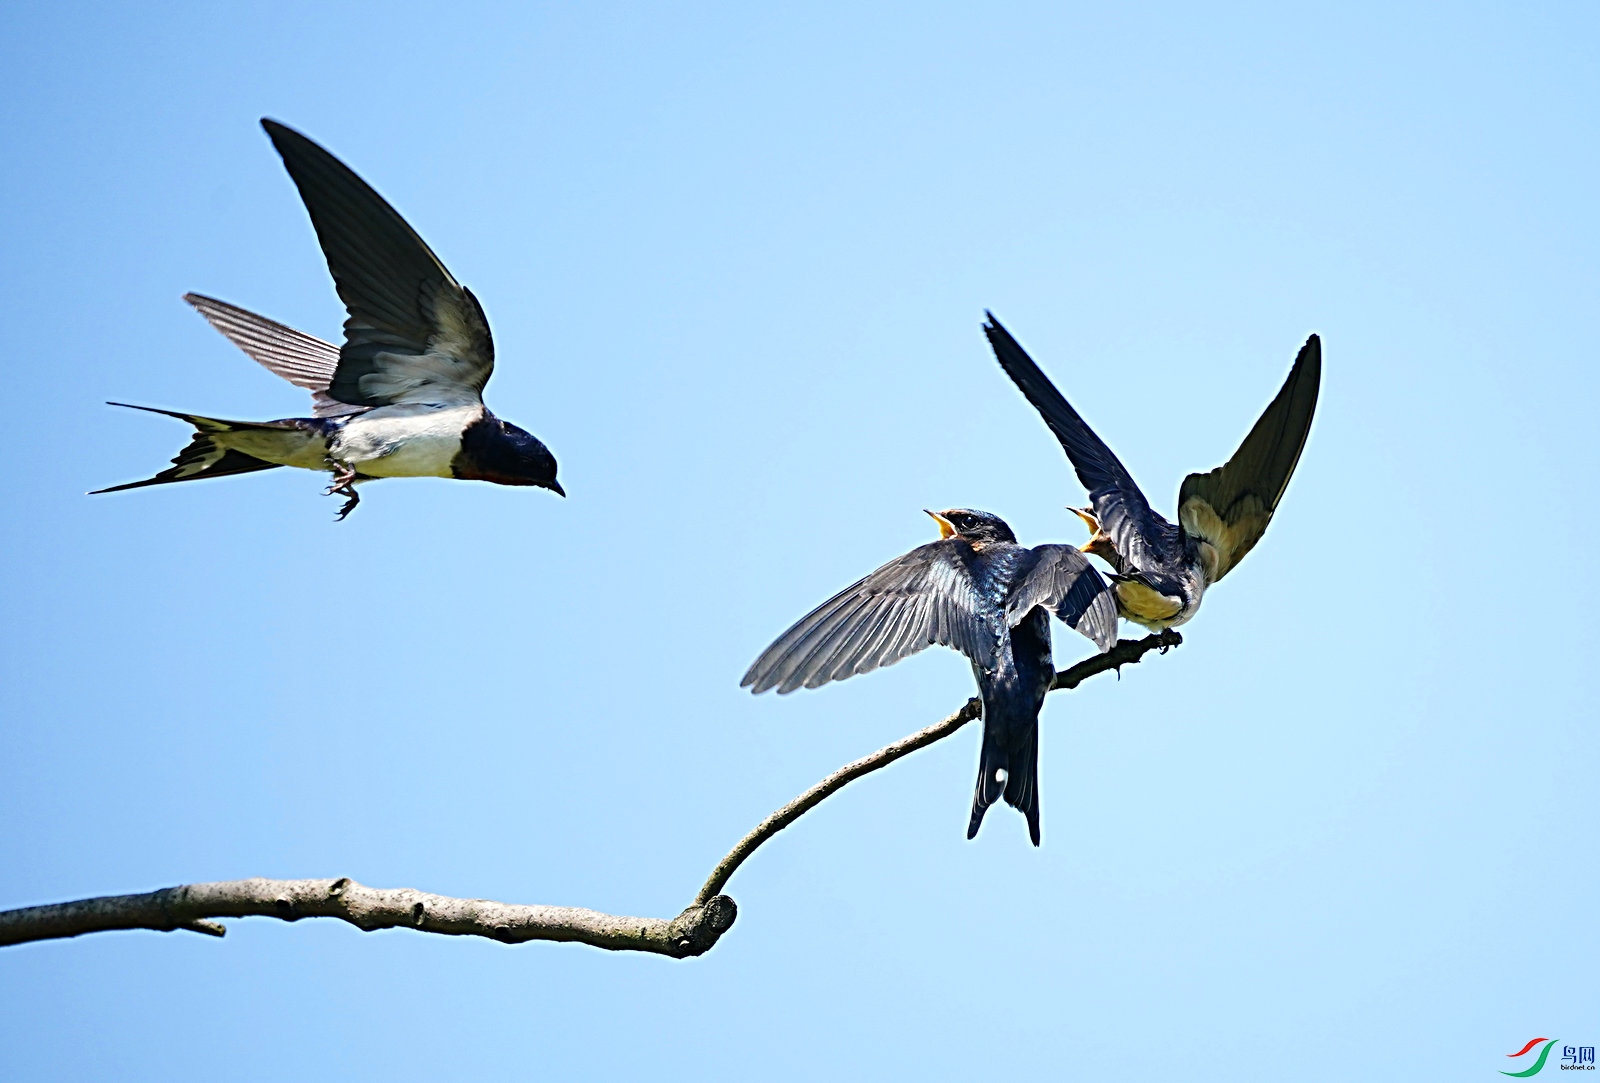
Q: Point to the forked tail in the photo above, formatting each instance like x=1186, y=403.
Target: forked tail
x=1008, y=766
x=204, y=457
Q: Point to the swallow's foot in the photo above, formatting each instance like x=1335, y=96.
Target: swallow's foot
x=349, y=505
x=344, y=484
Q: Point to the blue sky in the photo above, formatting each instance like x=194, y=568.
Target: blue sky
x=735, y=261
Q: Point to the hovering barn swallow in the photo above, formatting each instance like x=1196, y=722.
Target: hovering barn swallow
x=403, y=397
x=1161, y=570
x=980, y=592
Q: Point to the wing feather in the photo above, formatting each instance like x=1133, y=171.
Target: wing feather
x=1229, y=507
x=304, y=360
x=811, y=656
x=818, y=655
x=926, y=596
x=1063, y=581
x=414, y=334
x=1141, y=536
x=861, y=640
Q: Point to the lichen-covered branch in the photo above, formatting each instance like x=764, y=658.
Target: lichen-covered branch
x=196, y=906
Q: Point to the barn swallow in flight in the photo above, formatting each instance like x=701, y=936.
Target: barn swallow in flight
x=403, y=397
x=1161, y=570
x=977, y=590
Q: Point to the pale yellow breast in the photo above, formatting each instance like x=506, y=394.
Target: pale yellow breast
x=1140, y=603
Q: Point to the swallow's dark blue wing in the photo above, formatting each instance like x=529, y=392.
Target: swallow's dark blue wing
x=927, y=596
x=1063, y=581
x=1141, y=537
x=414, y=334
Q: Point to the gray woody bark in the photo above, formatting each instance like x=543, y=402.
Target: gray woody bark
x=692, y=932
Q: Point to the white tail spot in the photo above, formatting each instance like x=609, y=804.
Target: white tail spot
x=1000, y=775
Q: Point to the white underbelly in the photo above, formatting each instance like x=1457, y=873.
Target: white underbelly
x=407, y=441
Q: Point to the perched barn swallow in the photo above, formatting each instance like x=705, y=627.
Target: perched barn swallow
x=403, y=397
x=1161, y=570
x=977, y=590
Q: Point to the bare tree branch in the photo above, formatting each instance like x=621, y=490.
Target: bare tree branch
x=692, y=932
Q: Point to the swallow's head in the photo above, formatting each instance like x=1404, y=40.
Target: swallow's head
x=978, y=527
x=498, y=451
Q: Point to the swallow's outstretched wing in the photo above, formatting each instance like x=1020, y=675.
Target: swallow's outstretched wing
x=414, y=334
x=925, y=597
x=1229, y=508
x=1141, y=537
x=1064, y=582
x=304, y=360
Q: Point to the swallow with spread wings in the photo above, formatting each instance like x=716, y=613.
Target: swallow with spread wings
x=403, y=395
x=978, y=591
x=1161, y=569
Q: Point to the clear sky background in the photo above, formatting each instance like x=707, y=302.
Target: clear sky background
x=735, y=261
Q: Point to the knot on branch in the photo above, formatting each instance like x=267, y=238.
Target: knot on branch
x=697, y=929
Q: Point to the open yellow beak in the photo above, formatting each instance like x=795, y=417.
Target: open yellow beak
x=1088, y=519
x=1094, y=528
x=946, y=529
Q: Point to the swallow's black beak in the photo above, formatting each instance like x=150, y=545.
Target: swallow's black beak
x=555, y=487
